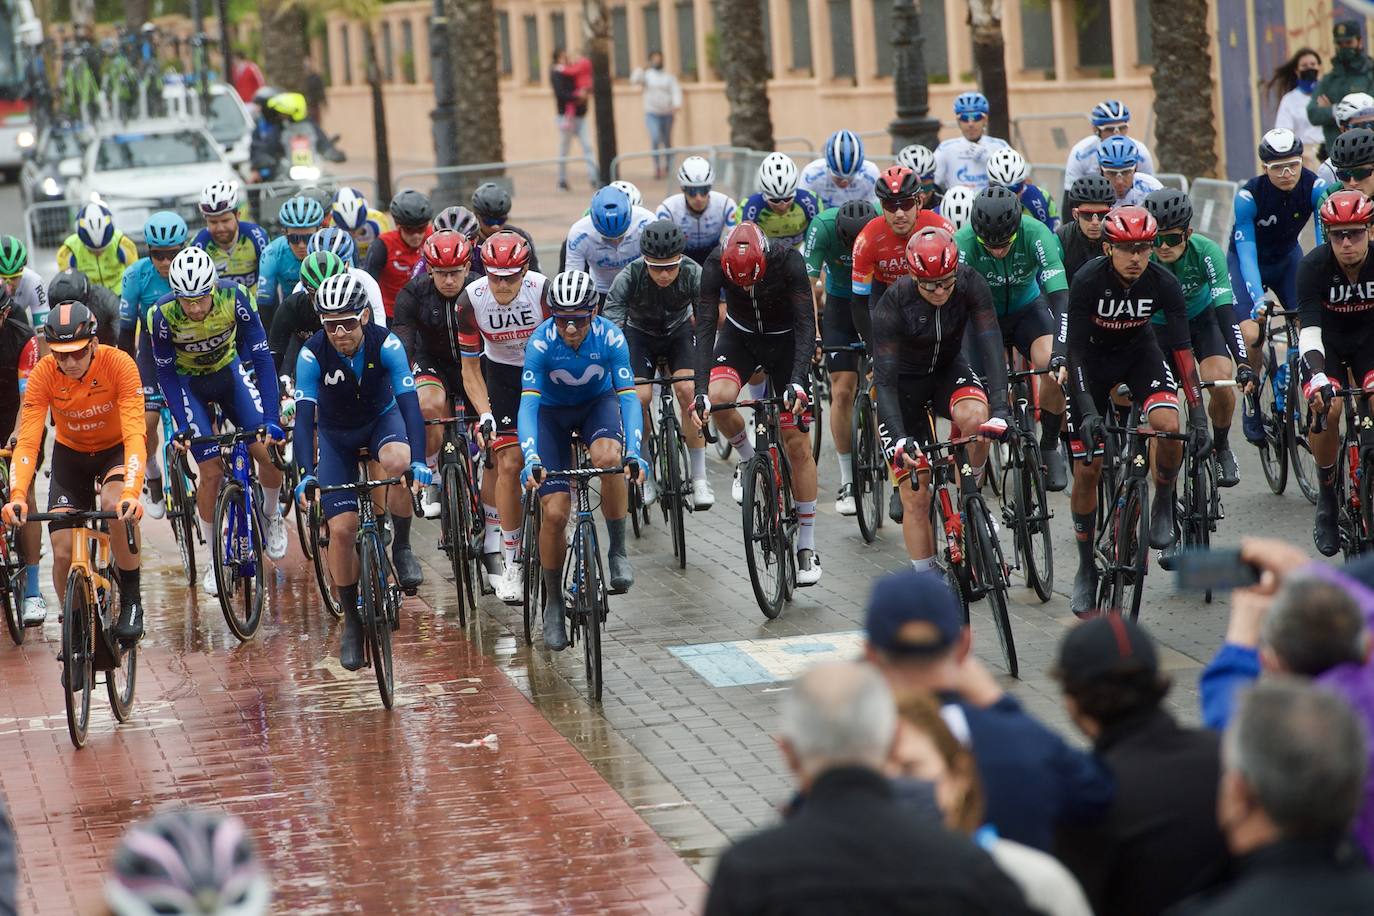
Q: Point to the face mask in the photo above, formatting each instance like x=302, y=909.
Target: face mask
x=1308, y=76
x=1348, y=55
x=657, y=66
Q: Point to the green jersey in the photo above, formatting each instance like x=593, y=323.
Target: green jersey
x=822, y=249
x=1202, y=272
x=1034, y=265
x=206, y=346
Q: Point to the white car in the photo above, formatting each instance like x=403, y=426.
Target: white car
x=228, y=119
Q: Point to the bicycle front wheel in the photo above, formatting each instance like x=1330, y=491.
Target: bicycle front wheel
x=319, y=558
x=240, y=579
x=1299, y=448
x=181, y=508
x=11, y=586
x=78, y=654
x=990, y=572
x=1033, y=523
x=120, y=680
x=533, y=597
x=1274, y=452
x=1125, y=584
x=867, y=469
x=763, y=541
x=455, y=537
x=376, y=594
x=674, y=492
x=590, y=610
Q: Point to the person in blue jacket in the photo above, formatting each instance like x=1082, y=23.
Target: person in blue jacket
x=280, y=267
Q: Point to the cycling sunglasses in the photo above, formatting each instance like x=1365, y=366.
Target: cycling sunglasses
x=936, y=286
x=1092, y=216
x=971, y=117
x=1170, y=239
x=342, y=325
x=1133, y=247
x=664, y=268
x=901, y=204
x=780, y=200
x=1001, y=243
x=696, y=190
x=1110, y=130
x=577, y=321
x=1359, y=174
x=163, y=254
x=1118, y=173
x=298, y=238
x=1347, y=235
x=71, y=356
x=1285, y=168
x=486, y=221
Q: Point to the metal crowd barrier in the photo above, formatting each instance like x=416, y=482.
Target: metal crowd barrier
x=1048, y=136
x=1048, y=178
x=1213, y=207
x=1173, y=180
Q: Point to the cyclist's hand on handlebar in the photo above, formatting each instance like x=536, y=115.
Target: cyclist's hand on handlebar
x=532, y=475
x=486, y=430
x=701, y=409
x=420, y=474
x=1199, y=435
x=993, y=429
x=306, y=490
x=1319, y=391
x=909, y=452
x=271, y=433
x=1059, y=370
x=795, y=400
x=16, y=512
x=129, y=509
x=1091, y=431
x=182, y=441
x=635, y=468
x=1246, y=378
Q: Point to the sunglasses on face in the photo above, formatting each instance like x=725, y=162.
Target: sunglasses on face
x=163, y=254
x=297, y=238
x=577, y=321
x=1092, y=216
x=901, y=205
x=968, y=118
x=453, y=274
x=927, y=186
x=780, y=200
x=1347, y=236
x=937, y=286
x=342, y=325
x=1134, y=247
x=1170, y=239
x=664, y=268
x=1118, y=173
x=1359, y=174
x=486, y=221
x=697, y=190
x=999, y=244
x=1108, y=130
x=1284, y=169
x=71, y=356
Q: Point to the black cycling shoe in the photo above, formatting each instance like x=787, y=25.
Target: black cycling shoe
x=1083, y=601
x=1168, y=559
x=1162, y=530
x=1326, y=533
x=895, y=511
x=1056, y=474
x=351, y=643
x=493, y=566
x=129, y=628
x=622, y=573
x=78, y=682
x=408, y=571
x=1228, y=469
x=555, y=631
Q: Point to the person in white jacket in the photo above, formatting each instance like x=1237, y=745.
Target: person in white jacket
x=1297, y=79
x=662, y=101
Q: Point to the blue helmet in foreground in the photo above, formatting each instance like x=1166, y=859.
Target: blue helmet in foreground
x=611, y=212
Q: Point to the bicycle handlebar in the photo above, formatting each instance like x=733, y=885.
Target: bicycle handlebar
x=1220, y=383
x=773, y=400
x=83, y=516
x=665, y=380
x=1027, y=373
x=360, y=486
x=1146, y=432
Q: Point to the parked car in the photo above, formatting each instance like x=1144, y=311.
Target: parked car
x=50, y=166
x=229, y=121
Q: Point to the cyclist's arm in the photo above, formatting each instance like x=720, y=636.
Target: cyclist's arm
x=575, y=258
x=1052, y=277
x=267, y=276
x=41, y=306
x=251, y=341
x=1180, y=338
x=128, y=300
x=861, y=271
x=1246, y=252
x=527, y=417
x=307, y=395
x=1224, y=301
x=631, y=414
x=66, y=258
x=1072, y=342
x=376, y=259
x=131, y=424
x=986, y=333
x=1311, y=302
x=705, y=317
x=28, y=360
x=284, y=326
x=403, y=384
x=127, y=251
x=887, y=335
x=164, y=358
x=803, y=305
x=403, y=316
x=1318, y=195
x=814, y=250
x=470, y=356
x=617, y=305
x=32, y=416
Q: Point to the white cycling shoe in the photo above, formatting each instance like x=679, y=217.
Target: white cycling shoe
x=737, y=485
x=276, y=536
x=844, y=500
x=35, y=610
x=703, y=497
x=429, y=501
x=208, y=582
x=510, y=587
x=808, y=567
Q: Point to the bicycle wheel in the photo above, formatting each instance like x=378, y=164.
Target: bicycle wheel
x=319, y=558
x=372, y=586
x=637, y=506
x=817, y=428
x=866, y=469
x=1033, y=522
x=1273, y=453
x=954, y=567
x=1299, y=448
x=181, y=508
x=1366, y=521
x=11, y=586
x=455, y=538
x=990, y=572
x=119, y=680
x=673, y=491
x=532, y=601
x=763, y=539
x=1130, y=541
x=589, y=608
x=240, y=581
x=78, y=654
x=723, y=446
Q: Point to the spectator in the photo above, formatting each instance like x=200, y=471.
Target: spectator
x=1295, y=80
x=849, y=848
x=1293, y=772
x=247, y=76
x=9, y=865
x=662, y=101
x=570, y=101
x=1351, y=71
x=917, y=638
x=926, y=750
x=1160, y=839
x=316, y=100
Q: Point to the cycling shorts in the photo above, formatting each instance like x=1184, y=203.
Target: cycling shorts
x=1280, y=277
x=838, y=331
x=339, y=448
x=1353, y=360
x=1205, y=331
x=599, y=418
x=740, y=353
x=919, y=395
x=75, y=475
x=1020, y=329
x=147, y=374
x=677, y=348
x=427, y=371
x=1144, y=370
x=236, y=396
x=503, y=391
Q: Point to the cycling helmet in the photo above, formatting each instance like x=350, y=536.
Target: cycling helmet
x=290, y=105
x=411, y=209
x=1092, y=189
x=1347, y=208
x=958, y=205
x=349, y=210
x=695, y=172
x=187, y=861
x=1008, y=168
x=662, y=240
x=572, y=294
x=778, y=176
x=70, y=326
x=931, y=253
x=1279, y=143
x=319, y=266
x=918, y=158
x=164, y=229
x=744, y=256
x=1130, y=224
x=897, y=182
x=335, y=240
x=996, y=214
x=1171, y=208
x=69, y=286
x=491, y=201
x=1118, y=152
x=844, y=153
x=219, y=197
x=447, y=250
x=341, y=294
x=1352, y=148
x=632, y=192
x=1110, y=112
x=1351, y=106
x=505, y=254
x=14, y=257
x=95, y=226
x=192, y=273
x=610, y=212
x=301, y=212
x=971, y=103
x=850, y=221
x=459, y=219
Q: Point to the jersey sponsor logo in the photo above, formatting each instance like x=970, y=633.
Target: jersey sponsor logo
x=1269, y=220
x=209, y=344
x=587, y=375
x=1351, y=297
x=392, y=343
x=1123, y=313
x=84, y=413
x=335, y=377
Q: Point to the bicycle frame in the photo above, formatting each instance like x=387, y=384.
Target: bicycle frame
x=240, y=540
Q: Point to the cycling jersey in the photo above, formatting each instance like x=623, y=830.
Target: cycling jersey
x=1083, y=160
x=1265, y=233
x=1139, y=190
x=18, y=356
x=788, y=227
x=817, y=179
x=822, y=249
x=964, y=162
x=1201, y=271
x=601, y=257
x=278, y=272
x=1327, y=173
x=143, y=287
x=1337, y=316
x=240, y=261
x=880, y=255
x=427, y=323
x=104, y=267
x=376, y=223
x=1040, y=205
x=391, y=262
x=31, y=297
x=636, y=301
x=478, y=270
x=500, y=332
x=1077, y=248
x=296, y=319
x=1032, y=266
x=704, y=230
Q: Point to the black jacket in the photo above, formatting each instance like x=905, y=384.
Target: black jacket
x=1078, y=248
x=292, y=325
x=851, y=849
x=1310, y=877
x=1159, y=840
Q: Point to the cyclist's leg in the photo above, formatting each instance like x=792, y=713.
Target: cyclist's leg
x=837, y=330
x=1152, y=385
x=152, y=401
x=1214, y=365
x=388, y=444
x=338, y=464
x=130, y=624
x=680, y=353
x=914, y=394
x=1083, y=498
x=600, y=427
x=555, y=441
x=503, y=389
x=775, y=353
x=197, y=393
x=243, y=408
x=72, y=488
x=734, y=363
x=1245, y=308
x=434, y=405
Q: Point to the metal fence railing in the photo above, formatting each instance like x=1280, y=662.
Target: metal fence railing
x=1048, y=137
x=1173, y=180
x=1048, y=178
x=1213, y=207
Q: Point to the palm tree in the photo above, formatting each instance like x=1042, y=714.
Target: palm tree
x=990, y=62
x=1185, y=131
x=284, y=48
x=744, y=68
x=596, y=23
x=477, y=69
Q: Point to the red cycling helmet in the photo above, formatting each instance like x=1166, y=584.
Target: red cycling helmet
x=505, y=254
x=897, y=182
x=1131, y=224
x=744, y=255
x=447, y=250
x=931, y=253
x=1347, y=208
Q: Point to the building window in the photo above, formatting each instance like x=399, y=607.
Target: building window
x=1144, y=34
x=620, y=43
x=533, y=65
x=347, y=55
x=1037, y=36
x=799, y=13
x=388, y=55
x=407, y=51
x=882, y=35
x=503, y=33
x=559, y=25
x=932, y=18
x=841, y=37
x=653, y=31
x=1093, y=20
x=686, y=38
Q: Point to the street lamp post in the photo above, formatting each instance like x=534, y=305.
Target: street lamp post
x=444, y=117
x=913, y=123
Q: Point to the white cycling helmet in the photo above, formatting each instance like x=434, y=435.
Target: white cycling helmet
x=192, y=273
x=1007, y=167
x=573, y=292
x=918, y=158
x=957, y=206
x=95, y=226
x=340, y=294
x=219, y=197
x=349, y=209
x=778, y=176
x=631, y=191
x=1352, y=105
x=695, y=172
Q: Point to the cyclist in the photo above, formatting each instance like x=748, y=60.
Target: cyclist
x=459, y=219
x=393, y=258
x=18, y=356
x=842, y=174
x=963, y=159
x=919, y=367
x=98, y=249
x=607, y=238
x=235, y=245
x=770, y=323
x=22, y=282
x=701, y=213
x=1110, y=118
x=336, y=241
x=1352, y=155
x=74, y=286
x=497, y=314
x=653, y=300
x=780, y=208
x=829, y=249
x=297, y=320
x=351, y=213
x=1008, y=169
x=921, y=160
x=1336, y=298
x=491, y=205
x=96, y=404
x=1198, y=264
x=1080, y=237
x=1118, y=158
x=577, y=377
x=957, y=204
x=205, y=334
x=1108, y=339
x=1355, y=110
x=352, y=377
x=267, y=149
x=1019, y=258
x=280, y=267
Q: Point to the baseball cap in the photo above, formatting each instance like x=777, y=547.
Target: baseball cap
x=1103, y=647
x=1346, y=28
x=913, y=613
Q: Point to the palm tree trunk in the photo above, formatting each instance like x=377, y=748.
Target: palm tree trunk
x=1185, y=124
x=744, y=68
x=990, y=62
x=284, y=50
x=380, y=139
x=477, y=69
x=596, y=24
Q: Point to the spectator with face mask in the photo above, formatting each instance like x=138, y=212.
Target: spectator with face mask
x=1295, y=80
x=1351, y=71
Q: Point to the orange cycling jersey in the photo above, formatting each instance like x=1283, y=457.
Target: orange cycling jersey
x=95, y=412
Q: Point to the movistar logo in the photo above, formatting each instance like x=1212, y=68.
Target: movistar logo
x=334, y=377
x=588, y=374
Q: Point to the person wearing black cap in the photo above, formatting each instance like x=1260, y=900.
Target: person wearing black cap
x=1032, y=779
x=1159, y=840
x=1351, y=71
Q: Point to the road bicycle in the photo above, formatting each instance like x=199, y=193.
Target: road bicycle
x=12, y=570
x=820, y=396
x=461, y=519
x=1025, y=509
x=670, y=462
x=1354, y=472
x=868, y=469
x=1286, y=442
x=179, y=495
x=1199, y=501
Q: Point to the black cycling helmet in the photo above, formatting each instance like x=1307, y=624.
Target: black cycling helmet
x=662, y=240
x=996, y=214
x=411, y=208
x=850, y=221
x=1352, y=148
x=69, y=285
x=70, y=326
x=1092, y=189
x=6, y=300
x=1171, y=208
x=491, y=201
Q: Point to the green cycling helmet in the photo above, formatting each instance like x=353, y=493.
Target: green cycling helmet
x=319, y=266
x=14, y=257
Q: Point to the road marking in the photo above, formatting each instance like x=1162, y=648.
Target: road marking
x=766, y=661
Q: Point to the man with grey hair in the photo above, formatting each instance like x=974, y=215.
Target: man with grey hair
x=849, y=848
x=1293, y=768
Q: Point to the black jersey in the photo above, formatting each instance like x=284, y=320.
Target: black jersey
x=1078, y=248
x=1340, y=308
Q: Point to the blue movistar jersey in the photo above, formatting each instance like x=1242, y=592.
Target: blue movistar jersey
x=1268, y=222
x=278, y=272
x=239, y=262
x=143, y=287
x=1040, y=205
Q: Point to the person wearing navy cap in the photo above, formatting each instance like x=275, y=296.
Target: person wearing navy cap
x=1352, y=70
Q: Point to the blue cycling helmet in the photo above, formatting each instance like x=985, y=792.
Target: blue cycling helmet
x=164, y=229
x=971, y=103
x=611, y=212
x=337, y=241
x=1110, y=112
x=1118, y=152
x=301, y=212
x=844, y=153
